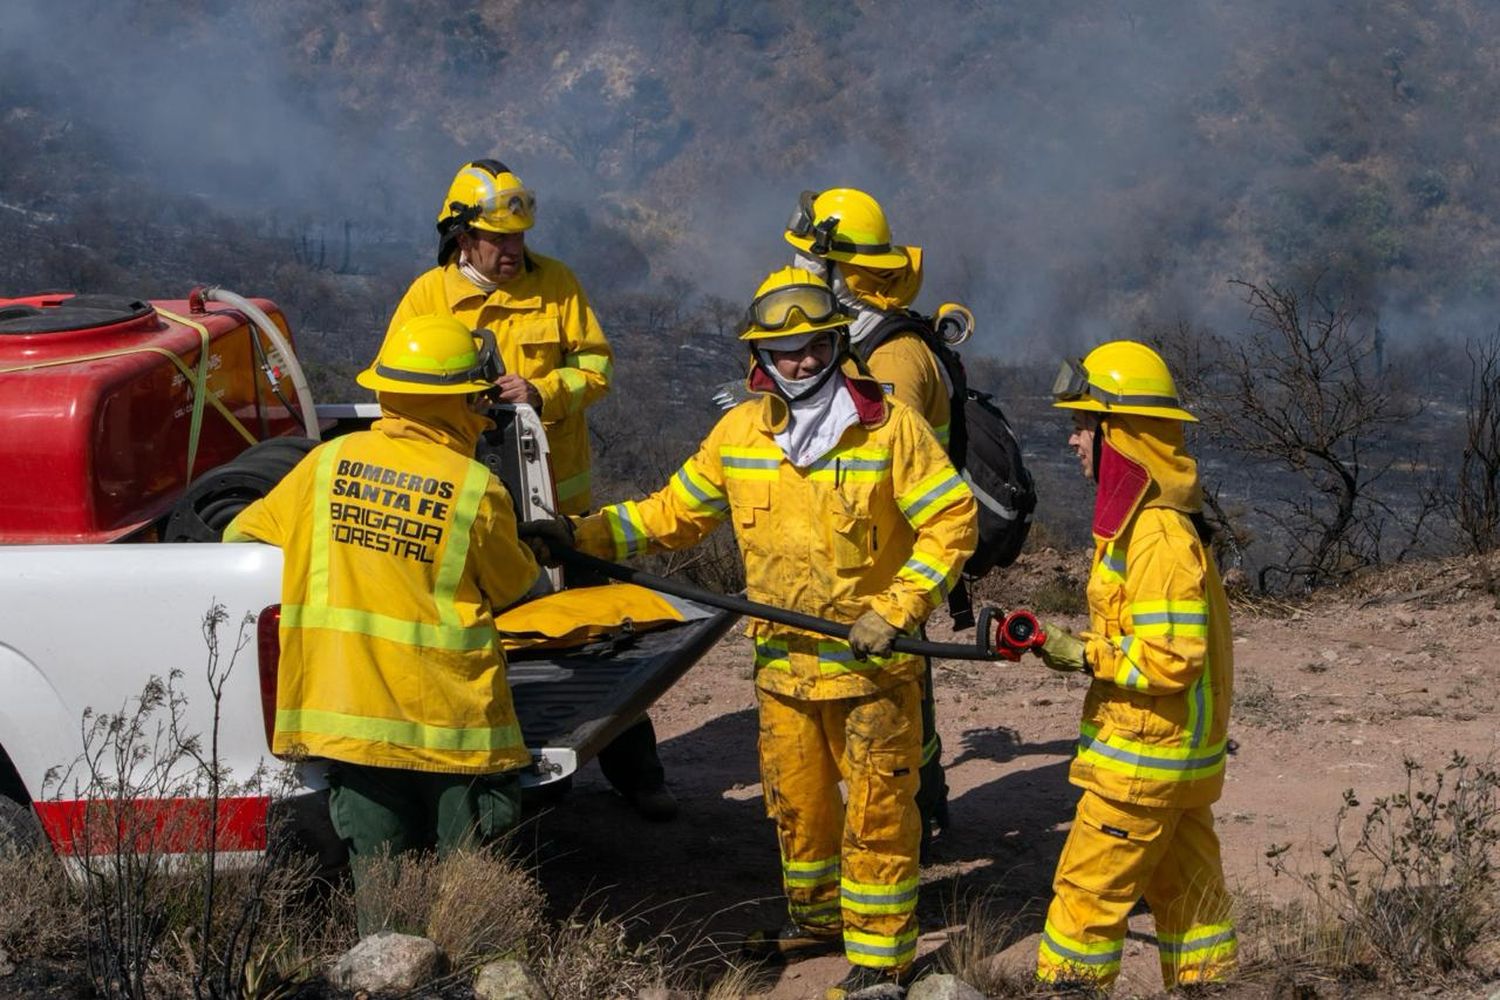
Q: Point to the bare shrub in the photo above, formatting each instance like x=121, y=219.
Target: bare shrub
x=145, y=845
x=1415, y=884
x=1303, y=391
x=1476, y=500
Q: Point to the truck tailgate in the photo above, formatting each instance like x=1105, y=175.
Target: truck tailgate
x=571, y=703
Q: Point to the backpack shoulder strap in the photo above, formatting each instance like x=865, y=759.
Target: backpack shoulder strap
x=910, y=321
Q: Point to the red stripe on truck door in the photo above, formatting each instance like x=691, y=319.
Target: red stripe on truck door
x=159, y=826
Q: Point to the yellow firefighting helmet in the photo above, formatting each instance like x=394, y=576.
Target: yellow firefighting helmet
x=1122, y=376
x=486, y=195
x=843, y=224
x=789, y=307
x=434, y=355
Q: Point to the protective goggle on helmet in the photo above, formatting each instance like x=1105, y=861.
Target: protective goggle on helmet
x=792, y=301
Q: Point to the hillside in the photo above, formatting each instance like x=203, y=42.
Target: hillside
x=1073, y=169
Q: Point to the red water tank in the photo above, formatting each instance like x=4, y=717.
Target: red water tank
x=97, y=409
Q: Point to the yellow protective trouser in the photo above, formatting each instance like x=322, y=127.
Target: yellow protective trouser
x=849, y=867
x=1116, y=853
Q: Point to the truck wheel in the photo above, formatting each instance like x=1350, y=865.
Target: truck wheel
x=208, y=506
x=20, y=832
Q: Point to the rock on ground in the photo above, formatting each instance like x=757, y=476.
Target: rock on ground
x=943, y=987
x=507, y=979
x=387, y=961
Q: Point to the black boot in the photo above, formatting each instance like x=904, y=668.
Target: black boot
x=793, y=942
x=865, y=983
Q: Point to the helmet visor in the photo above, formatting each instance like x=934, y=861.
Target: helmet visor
x=1072, y=382
x=506, y=211
x=781, y=307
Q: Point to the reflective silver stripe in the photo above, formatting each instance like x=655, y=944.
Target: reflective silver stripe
x=715, y=503
x=937, y=576
x=1171, y=618
x=892, y=898
x=1197, y=706
x=635, y=541
x=898, y=946
x=1112, y=562
x=1084, y=957
x=913, y=509
x=1135, y=673
x=741, y=462
x=1090, y=743
x=1177, y=948
x=828, y=870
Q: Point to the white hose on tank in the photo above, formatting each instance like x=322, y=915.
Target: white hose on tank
x=273, y=334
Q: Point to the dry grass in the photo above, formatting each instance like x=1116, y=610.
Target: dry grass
x=737, y=982
x=983, y=932
x=41, y=914
x=475, y=905
x=585, y=958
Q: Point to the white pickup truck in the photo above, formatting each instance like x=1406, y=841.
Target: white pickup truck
x=130, y=427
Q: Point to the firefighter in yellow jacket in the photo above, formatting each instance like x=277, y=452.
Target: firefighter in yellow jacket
x=554, y=352
x=399, y=548
x=555, y=358
x=844, y=506
x=1151, y=752
x=842, y=235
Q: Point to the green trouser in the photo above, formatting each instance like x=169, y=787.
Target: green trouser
x=932, y=788
x=382, y=811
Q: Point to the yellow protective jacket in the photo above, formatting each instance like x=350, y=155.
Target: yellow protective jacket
x=398, y=550
x=1157, y=713
x=881, y=522
x=908, y=370
x=547, y=334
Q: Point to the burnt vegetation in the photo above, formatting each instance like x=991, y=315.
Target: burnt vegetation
x=1086, y=171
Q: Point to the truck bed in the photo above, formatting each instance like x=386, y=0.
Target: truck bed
x=572, y=703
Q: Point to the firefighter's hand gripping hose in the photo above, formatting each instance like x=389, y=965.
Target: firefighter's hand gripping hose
x=1062, y=650
x=992, y=641
x=548, y=539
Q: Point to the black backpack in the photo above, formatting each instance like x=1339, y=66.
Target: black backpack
x=983, y=447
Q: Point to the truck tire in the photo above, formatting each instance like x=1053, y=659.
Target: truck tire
x=208, y=506
x=20, y=832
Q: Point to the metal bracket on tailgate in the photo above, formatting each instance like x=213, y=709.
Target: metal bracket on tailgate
x=549, y=764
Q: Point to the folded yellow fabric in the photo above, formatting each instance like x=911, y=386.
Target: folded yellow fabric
x=581, y=615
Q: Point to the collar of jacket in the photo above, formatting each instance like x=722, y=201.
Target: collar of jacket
x=1143, y=462
x=444, y=420
x=522, y=292
x=868, y=396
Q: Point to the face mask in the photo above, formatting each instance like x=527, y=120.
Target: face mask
x=472, y=273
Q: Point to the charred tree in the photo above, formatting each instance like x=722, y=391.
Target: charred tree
x=1301, y=390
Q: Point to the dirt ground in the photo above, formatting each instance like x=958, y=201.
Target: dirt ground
x=1329, y=696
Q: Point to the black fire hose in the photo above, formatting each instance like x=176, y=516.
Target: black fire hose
x=917, y=647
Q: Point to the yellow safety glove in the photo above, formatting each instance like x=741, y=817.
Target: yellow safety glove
x=546, y=537
x=871, y=635
x=1063, y=650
